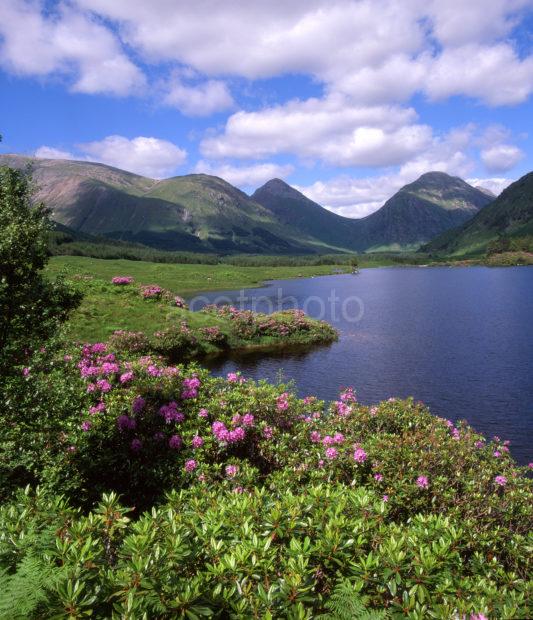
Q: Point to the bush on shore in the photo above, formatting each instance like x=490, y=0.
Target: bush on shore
x=274, y=500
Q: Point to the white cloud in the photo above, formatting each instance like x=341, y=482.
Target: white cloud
x=501, y=157
x=197, y=99
x=68, y=43
x=49, y=152
x=495, y=184
x=493, y=74
x=374, y=50
x=329, y=129
x=246, y=176
x=358, y=197
x=146, y=156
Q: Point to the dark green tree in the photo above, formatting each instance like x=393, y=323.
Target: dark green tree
x=31, y=305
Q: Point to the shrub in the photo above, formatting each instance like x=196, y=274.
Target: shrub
x=129, y=342
x=267, y=552
x=31, y=306
x=175, y=343
x=122, y=280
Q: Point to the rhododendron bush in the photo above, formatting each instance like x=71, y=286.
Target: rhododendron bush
x=419, y=509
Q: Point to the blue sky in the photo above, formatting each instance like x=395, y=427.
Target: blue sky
x=348, y=100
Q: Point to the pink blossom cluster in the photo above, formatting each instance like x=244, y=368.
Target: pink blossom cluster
x=190, y=387
x=122, y=280
x=223, y=435
x=282, y=402
x=151, y=291
x=179, y=302
x=171, y=413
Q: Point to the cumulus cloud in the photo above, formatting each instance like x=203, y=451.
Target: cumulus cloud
x=330, y=129
x=246, y=176
x=194, y=98
x=374, y=50
x=495, y=184
x=49, y=152
x=358, y=197
x=66, y=42
x=501, y=157
x=146, y=156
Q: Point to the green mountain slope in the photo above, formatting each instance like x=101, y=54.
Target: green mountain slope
x=193, y=213
x=202, y=213
x=510, y=215
x=414, y=215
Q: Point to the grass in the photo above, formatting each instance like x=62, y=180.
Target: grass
x=183, y=279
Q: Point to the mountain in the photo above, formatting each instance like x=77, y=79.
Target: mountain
x=415, y=214
x=510, y=215
x=203, y=213
x=294, y=209
x=195, y=212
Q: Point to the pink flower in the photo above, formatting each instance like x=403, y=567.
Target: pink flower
x=138, y=404
x=314, y=436
x=422, y=482
x=190, y=465
x=500, y=480
x=248, y=419
x=530, y=465
x=103, y=385
x=478, y=444
x=197, y=441
x=25, y=371
x=203, y=413
x=478, y=617
x=125, y=377
x=338, y=438
x=378, y=477
x=359, y=456
x=233, y=377
x=125, y=423
x=231, y=471
x=175, y=442
x=328, y=440
x=268, y=432
x=122, y=280
x=496, y=453
x=282, y=402
x=373, y=411
x=331, y=453
x=238, y=490
x=97, y=408
x=86, y=426
x=385, y=498
x=136, y=445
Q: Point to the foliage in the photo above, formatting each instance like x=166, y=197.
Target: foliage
x=266, y=552
x=31, y=307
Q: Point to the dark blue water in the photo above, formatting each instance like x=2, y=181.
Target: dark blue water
x=458, y=339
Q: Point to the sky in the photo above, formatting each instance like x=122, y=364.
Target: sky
x=347, y=100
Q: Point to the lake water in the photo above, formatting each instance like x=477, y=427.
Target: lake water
x=458, y=339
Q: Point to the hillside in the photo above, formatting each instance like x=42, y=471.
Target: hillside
x=415, y=214
x=510, y=216
x=202, y=213
x=191, y=213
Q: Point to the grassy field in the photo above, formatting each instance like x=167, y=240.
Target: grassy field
x=183, y=279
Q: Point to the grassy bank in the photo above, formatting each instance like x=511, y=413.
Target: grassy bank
x=184, y=279
x=138, y=323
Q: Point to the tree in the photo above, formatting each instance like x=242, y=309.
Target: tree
x=31, y=305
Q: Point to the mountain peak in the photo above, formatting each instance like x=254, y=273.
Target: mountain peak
x=276, y=187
